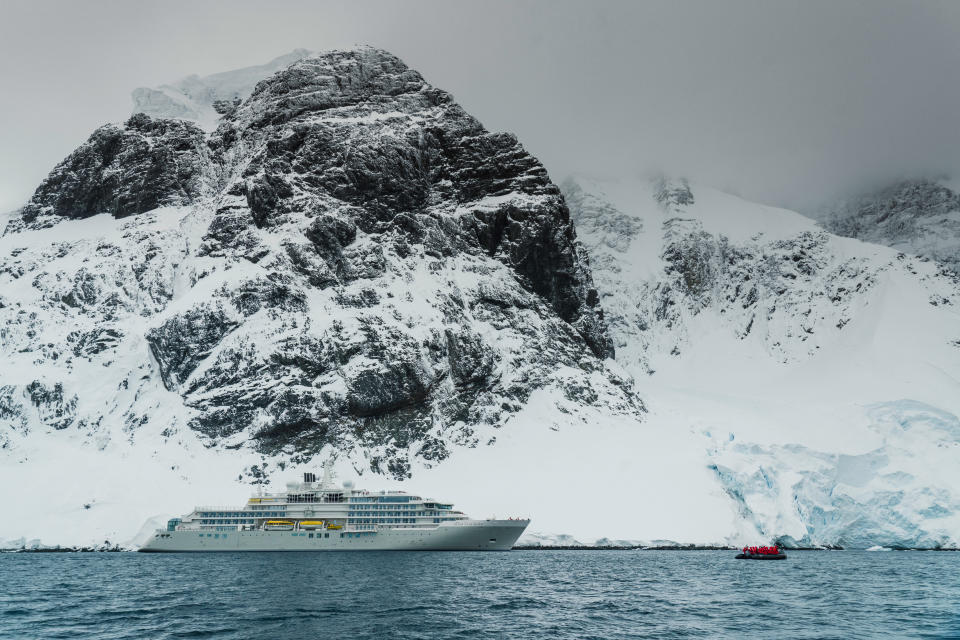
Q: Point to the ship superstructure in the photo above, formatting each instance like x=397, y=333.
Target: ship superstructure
x=312, y=515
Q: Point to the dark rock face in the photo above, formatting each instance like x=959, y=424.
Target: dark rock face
x=673, y=195
x=124, y=170
x=55, y=409
x=364, y=267
x=182, y=342
x=364, y=129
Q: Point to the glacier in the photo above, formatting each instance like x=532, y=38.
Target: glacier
x=900, y=494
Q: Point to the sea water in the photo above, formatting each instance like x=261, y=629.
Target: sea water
x=517, y=594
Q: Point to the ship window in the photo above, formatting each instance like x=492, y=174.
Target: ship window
x=326, y=535
x=309, y=535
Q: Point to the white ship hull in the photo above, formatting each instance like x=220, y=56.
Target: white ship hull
x=462, y=535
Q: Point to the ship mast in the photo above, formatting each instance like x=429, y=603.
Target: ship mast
x=327, y=480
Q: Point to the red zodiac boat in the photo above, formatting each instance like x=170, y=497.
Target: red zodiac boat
x=762, y=553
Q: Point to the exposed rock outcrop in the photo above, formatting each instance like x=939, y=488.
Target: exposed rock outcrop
x=919, y=217
x=125, y=170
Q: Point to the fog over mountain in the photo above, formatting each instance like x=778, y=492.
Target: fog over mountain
x=787, y=103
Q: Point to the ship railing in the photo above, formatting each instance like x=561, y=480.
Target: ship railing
x=218, y=508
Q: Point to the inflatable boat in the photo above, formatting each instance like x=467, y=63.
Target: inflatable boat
x=761, y=553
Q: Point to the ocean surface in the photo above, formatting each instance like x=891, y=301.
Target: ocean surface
x=518, y=594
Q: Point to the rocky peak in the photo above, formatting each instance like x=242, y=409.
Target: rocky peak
x=124, y=170
x=361, y=128
x=353, y=262
x=917, y=198
x=920, y=217
x=365, y=77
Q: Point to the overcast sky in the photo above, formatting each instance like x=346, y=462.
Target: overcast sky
x=783, y=102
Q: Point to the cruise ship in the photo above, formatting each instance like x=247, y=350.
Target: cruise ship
x=318, y=516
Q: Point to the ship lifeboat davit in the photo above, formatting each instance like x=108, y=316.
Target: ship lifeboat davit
x=762, y=553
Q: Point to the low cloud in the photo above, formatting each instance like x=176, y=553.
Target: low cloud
x=784, y=102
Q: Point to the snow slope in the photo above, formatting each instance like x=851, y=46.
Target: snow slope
x=193, y=98
x=791, y=351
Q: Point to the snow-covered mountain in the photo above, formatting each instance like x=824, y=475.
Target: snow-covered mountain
x=350, y=264
x=351, y=267
x=823, y=372
x=918, y=217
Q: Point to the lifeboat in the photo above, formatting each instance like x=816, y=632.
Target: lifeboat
x=334, y=526
x=310, y=525
x=762, y=553
x=278, y=525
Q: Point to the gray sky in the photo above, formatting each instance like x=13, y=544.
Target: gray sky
x=783, y=102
